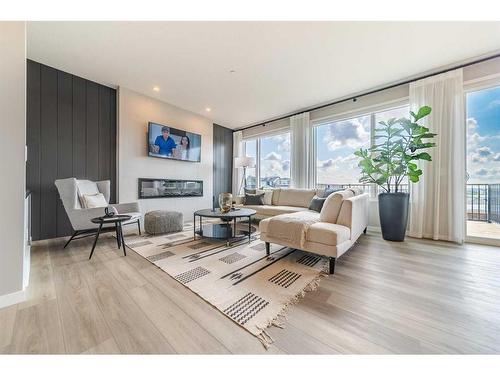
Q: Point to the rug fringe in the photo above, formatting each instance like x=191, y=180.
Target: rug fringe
x=264, y=337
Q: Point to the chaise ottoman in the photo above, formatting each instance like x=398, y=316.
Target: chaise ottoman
x=163, y=221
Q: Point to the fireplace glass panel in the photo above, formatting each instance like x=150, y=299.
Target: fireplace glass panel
x=164, y=188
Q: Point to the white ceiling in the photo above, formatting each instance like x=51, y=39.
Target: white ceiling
x=279, y=67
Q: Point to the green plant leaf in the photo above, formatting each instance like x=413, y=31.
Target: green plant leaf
x=396, y=146
x=422, y=112
x=424, y=156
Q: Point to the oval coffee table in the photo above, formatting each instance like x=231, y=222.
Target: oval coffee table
x=223, y=230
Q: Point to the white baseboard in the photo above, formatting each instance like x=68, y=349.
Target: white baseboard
x=12, y=298
x=374, y=229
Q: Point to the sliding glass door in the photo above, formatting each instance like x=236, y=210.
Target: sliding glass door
x=483, y=163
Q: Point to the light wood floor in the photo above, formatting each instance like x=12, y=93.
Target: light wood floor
x=412, y=297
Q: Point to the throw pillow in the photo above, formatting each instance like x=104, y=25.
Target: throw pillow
x=331, y=208
x=268, y=196
x=317, y=203
x=329, y=191
x=254, y=199
x=86, y=187
x=94, y=200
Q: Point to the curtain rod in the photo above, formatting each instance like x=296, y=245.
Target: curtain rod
x=355, y=97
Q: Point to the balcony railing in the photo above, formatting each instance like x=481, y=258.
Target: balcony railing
x=483, y=200
x=367, y=188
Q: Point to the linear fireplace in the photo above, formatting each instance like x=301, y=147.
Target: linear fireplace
x=165, y=188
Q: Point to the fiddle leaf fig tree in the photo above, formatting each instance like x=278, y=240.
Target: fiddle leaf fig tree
x=398, y=145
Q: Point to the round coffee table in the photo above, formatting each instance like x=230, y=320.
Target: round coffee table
x=117, y=220
x=223, y=230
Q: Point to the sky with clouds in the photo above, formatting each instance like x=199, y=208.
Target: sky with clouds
x=483, y=136
x=337, y=141
x=275, y=154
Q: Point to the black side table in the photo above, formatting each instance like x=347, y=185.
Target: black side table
x=117, y=220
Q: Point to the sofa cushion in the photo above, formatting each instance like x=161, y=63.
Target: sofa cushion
x=276, y=196
x=327, y=233
x=270, y=210
x=295, y=197
x=333, y=203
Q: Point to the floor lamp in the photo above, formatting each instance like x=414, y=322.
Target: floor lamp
x=244, y=162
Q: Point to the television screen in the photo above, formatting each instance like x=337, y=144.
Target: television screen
x=171, y=143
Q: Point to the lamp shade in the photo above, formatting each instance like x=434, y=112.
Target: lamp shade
x=244, y=161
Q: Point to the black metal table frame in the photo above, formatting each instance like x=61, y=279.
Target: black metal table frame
x=228, y=223
x=118, y=230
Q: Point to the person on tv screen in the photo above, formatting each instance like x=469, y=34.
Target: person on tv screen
x=164, y=143
x=184, y=148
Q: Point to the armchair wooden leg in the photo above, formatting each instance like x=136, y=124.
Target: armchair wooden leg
x=268, y=248
x=331, y=265
x=364, y=231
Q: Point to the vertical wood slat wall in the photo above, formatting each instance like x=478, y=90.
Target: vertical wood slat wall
x=71, y=132
x=223, y=161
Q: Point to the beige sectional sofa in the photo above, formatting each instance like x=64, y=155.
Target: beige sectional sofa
x=287, y=221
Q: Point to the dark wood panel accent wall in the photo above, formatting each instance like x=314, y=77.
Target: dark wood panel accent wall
x=223, y=161
x=71, y=132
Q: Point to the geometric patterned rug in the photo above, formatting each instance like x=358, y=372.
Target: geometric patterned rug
x=250, y=288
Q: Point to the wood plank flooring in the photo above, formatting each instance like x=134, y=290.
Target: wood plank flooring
x=413, y=297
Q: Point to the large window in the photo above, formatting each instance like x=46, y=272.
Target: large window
x=272, y=155
x=336, y=142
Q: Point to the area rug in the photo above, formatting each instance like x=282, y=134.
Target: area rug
x=241, y=281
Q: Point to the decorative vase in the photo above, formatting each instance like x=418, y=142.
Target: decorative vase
x=393, y=214
x=225, y=202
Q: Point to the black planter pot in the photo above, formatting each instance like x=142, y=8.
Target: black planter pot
x=393, y=213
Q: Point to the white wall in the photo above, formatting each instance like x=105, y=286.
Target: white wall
x=134, y=112
x=12, y=158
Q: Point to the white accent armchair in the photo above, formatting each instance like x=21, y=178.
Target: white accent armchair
x=80, y=217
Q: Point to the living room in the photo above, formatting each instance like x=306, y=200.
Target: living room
x=215, y=187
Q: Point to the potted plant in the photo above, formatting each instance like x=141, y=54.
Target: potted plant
x=399, y=144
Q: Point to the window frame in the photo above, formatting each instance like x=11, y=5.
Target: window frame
x=258, y=140
x=371, y=112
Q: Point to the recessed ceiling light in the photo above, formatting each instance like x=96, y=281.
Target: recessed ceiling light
x=156, y=88
x=208, y=109
x=232, y=71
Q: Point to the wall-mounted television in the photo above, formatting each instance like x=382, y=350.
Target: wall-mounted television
x=170, y=143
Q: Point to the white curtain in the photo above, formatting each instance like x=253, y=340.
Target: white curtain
x=237, y=151
x=302, y=151
x=437, y=206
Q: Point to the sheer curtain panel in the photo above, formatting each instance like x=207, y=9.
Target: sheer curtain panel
x=302, y=152
x=437, y=205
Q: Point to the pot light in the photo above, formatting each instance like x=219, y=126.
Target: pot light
x=208, y=109
x=156, y=88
